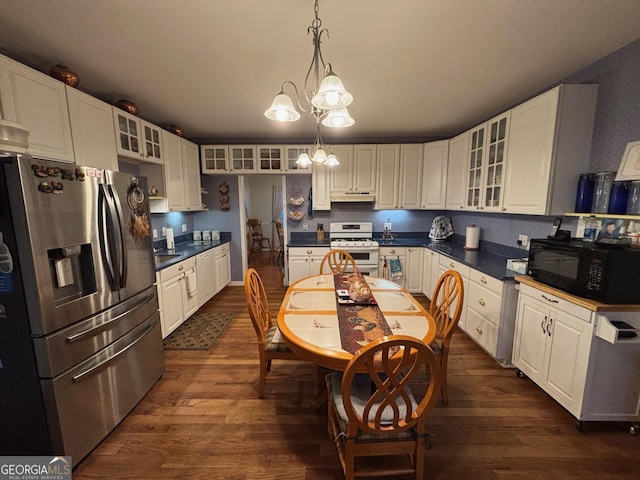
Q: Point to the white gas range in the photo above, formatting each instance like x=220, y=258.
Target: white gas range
x=356, y=238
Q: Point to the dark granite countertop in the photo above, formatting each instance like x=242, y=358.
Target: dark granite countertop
x=490, y=259
x=185, y=250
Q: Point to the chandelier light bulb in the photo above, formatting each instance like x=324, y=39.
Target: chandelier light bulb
x=319, y=156
x=338, y=118
x=304, y=159
x=332, y=160
x=332, y=98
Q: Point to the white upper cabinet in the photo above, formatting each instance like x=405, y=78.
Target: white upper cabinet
x=181, y=176
x=127, y=128
x=291, y=155
x=39, y=103
x=357, y=170
x=388, y=176
x=549, y=146
x=151, y=142
x=94, y=140
x=410, y=190
x=434, y=176
x=215, y=158
x=321, y=196
x=270, y=159
x=243, y=159
x=486, y=164
x=192, y=185
x=458, y=148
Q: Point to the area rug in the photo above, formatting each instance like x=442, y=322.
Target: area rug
x=199, y=332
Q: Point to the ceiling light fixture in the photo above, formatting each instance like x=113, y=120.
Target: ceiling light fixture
x=327, y=99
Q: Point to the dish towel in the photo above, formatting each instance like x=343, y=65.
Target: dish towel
x=395, y=268
x=192, y=284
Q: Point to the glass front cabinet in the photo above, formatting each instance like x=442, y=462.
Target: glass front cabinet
x=486, y=165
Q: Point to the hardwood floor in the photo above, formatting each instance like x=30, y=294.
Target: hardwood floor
x=203, y=420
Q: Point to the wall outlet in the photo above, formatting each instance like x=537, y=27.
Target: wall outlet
x=163, y=230
x=184, y=227
x=523, y=241
x=305, y=226
x=155, y=233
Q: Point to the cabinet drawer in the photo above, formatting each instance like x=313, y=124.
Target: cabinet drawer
x=177, y=269
x=483, y=332
x=486, y=281
x=392, y=251
x=459, y=267
x=221, y=248
x=553, y=301
x=485, y=302
x=304, y=251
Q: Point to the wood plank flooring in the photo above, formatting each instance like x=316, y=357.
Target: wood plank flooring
x=203, y=420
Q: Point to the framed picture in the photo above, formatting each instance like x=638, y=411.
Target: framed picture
x=610, y=228
x=629, y=168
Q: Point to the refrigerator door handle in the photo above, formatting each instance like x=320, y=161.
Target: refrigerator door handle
x=120, y=236
x=105, y=234
x=79, y=376
x=79, y=335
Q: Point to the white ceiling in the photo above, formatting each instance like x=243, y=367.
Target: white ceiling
x=416, y=68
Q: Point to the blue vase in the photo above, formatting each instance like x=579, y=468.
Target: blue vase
x=618, y=198
x=584, y=196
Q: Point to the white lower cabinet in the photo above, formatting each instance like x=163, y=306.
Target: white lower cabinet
x=552, y=345
x=430, y=271
x=446, y=263
x=491, y=307
x=206, y=274
x=571, y=349
x=305, y=261
x=413, y=269
x=177, y=294
x=385, y=255
x=222, y=266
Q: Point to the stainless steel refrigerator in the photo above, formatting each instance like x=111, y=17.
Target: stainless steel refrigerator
x=80, y=341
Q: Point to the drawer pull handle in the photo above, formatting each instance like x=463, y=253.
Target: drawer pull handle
x=479, y=330
x=309, y=252
x=552, y=300
x=452, y=265
x=181, y=267
x=483, y=280
x=481, y=302
x=543, y=325
x=392, y=250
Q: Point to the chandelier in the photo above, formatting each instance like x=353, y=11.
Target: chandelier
x=326, y=100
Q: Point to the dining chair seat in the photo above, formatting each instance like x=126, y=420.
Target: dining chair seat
x=270, y=345
x=360, y=393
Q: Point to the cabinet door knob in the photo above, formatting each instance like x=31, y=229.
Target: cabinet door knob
x=452, y=265
x=483, y=279
x=309, y=252
x=479, y=330
x=481, y=302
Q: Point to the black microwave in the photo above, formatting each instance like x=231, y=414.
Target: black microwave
x=605, y=274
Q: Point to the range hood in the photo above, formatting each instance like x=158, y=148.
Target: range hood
x=353, y=197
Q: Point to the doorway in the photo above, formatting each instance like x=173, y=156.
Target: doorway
x=262, y=198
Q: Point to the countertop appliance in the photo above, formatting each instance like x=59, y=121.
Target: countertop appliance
x=608, y=275
x=80, y=341
x=356, y=238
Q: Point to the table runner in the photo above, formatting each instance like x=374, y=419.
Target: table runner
x=359, y=323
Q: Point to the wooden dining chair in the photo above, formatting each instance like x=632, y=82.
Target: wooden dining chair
x=376, y=413
x=449, y=290
x=280, y=231
x=338, y=261
x=265, y=330
x=257, y=237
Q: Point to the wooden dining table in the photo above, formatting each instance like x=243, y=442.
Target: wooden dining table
x=327, y=333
